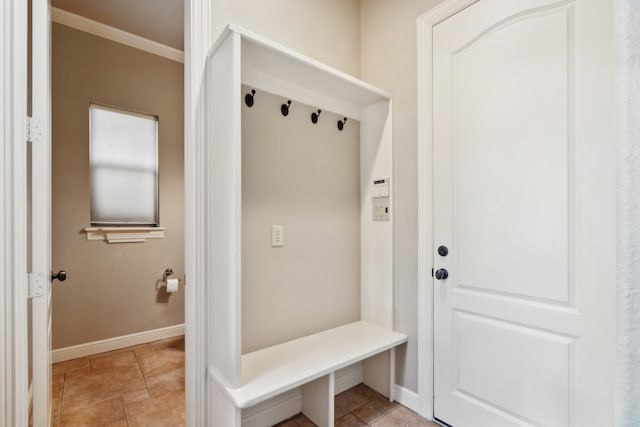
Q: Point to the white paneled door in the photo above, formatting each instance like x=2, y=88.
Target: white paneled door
x=524, y=202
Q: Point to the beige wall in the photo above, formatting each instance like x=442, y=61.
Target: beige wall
x=389, y=61
x=305, y=177
x=111, y=289
x=327, y=30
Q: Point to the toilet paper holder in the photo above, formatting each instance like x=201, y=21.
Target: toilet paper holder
x=165, y=277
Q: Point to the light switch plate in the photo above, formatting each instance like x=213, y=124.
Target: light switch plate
x=381, y=211
x=277, y=236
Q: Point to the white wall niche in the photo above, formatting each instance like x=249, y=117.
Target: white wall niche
x=239, y=58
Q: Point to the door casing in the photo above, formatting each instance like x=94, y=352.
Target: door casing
x=425, y=23
x=14, y=377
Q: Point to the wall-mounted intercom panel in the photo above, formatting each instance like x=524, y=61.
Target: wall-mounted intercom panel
x=380, y=199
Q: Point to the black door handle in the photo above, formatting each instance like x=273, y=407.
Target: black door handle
x=60, y=275
x=442, y=274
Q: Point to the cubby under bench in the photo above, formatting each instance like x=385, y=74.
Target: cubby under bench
x=310, y=363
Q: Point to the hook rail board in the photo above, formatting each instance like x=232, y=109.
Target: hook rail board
x=240, y=57
x=279, y=70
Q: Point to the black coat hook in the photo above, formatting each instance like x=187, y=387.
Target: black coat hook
x=341, y=123
x=314, y=117
x=248, y=99
x=284, y=108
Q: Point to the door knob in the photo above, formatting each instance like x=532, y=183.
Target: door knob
x=442, y=274
x=443, y=251
x=60, y=275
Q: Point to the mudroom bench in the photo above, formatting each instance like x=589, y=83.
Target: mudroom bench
x=310, y=362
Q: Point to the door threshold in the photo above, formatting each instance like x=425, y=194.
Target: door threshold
x=440, y=422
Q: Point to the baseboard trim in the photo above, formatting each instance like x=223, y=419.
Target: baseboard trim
x=406, y=397
x=116, y=343
x=348, y=377
x=273, y=410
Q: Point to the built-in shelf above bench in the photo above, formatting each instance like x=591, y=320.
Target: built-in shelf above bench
x=274, y=370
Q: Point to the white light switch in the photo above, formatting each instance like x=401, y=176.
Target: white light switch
x=277, y=236
x=381, y=211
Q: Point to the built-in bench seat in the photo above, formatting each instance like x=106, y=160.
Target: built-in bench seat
x=274, y=370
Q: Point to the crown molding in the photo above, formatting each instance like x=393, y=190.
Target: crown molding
x=114, y=34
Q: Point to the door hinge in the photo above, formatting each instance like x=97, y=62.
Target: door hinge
x=34, y=130
x=35, y=285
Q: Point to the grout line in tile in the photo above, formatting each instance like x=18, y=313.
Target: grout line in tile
x=126, y=414
x=144, y=376
x=64, y=383
x=355, y=415
x=389, y=412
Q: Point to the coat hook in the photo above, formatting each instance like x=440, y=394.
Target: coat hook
x=314, y=117
x=248, y=99
x=284, y=108
x=341, y=123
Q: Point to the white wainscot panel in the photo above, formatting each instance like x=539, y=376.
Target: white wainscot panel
x=504, y=365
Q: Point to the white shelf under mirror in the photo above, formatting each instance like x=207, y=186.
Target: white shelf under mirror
x=130, y=234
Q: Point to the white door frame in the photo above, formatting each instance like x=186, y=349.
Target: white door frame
x=198, y=40
x=627, y=399
x=425, y=24
x=14, y=381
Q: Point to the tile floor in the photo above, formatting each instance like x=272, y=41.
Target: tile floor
x=144, y=386
x=136, y=386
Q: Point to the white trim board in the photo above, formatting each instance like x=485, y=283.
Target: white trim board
x=407, y=398
x=14, y=381
x=273, y=410
x=116, y=343
x=198, y=29
x=425, y=24
x=348, y=377
x=124, y=234
x=99, y=29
